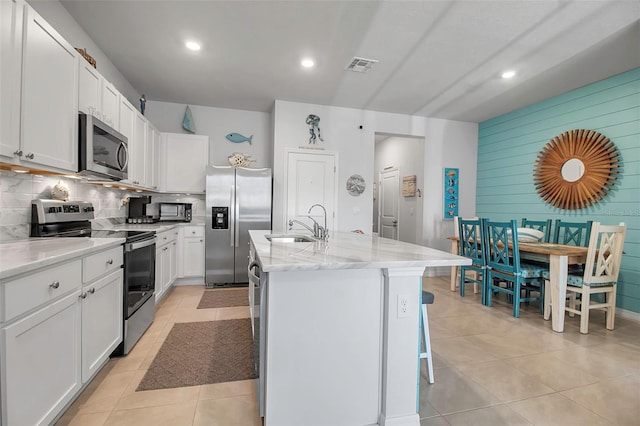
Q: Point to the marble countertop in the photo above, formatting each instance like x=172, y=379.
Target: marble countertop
x=346, y=250
x=22, y=256
x=158, y=226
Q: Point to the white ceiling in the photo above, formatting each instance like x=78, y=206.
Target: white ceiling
x=436, y=58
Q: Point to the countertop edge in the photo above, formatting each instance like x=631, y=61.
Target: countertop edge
x=13, y=271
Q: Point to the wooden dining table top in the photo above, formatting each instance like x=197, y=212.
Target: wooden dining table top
x=545, y=248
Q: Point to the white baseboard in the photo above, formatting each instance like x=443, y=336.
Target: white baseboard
x=189, y=281
x=630, y=315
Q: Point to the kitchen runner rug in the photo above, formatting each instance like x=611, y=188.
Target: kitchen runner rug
x=200, y=353
x=222, y=298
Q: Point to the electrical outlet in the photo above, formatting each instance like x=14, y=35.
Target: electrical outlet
x=403, y=306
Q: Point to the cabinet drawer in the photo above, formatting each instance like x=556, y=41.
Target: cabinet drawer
x=26, y=293
x=166, y=237
x=101, y=263
x=193, y=231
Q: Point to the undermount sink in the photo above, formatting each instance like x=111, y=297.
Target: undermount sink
x=290, y=238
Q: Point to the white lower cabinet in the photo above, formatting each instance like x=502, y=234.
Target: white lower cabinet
x=41, y=363
x=166, y=261
x=192, y=254
x=59, y=331
x=101, y=329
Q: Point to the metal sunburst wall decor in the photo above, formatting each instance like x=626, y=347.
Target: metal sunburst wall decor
x=576, y=169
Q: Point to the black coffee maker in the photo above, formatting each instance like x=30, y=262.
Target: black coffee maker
x=138, y=210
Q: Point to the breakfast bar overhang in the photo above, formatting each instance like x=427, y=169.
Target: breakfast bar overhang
x=338, y=347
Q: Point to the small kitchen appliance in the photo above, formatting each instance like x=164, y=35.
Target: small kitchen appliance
x=138, y=210
x=174, y=212
x=237, y=199
x=53, y=218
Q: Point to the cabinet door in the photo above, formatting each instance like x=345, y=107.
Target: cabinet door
x=166, y=267
x=41, y=368
x=102, y=319
x=151, y=157
x=10, y=77
x=89, y=89
x=137, y=150
x=159, y=288
x=193, y=257
x=110, y=102
x=173, y=253
x=49, y=96
x=184, y=159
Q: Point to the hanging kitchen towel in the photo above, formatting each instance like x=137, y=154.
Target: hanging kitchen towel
x=187, y=121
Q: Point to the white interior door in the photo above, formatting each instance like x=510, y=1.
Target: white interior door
x=388, y=203
x=311, y=179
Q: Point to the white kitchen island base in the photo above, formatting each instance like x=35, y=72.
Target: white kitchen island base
x=341, y=334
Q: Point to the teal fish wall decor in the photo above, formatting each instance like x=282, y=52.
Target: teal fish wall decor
x=238, y=138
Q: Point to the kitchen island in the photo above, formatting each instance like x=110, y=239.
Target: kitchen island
x=339, y=328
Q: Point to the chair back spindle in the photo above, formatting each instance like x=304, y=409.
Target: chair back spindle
x=572, y=233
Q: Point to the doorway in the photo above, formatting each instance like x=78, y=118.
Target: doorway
x=388, y=203
x=311, y=179
x=405, y=154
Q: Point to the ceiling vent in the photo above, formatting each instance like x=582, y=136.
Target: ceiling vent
x=360, y=64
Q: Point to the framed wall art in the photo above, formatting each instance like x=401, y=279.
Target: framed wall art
x=409, y=186
x=451, y=195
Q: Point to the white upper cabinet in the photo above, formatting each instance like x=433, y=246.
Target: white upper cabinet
x=11, y=19
x=89, y=89
x=183, y=162
x=153, y=154
x=49, y=118
x=96, y=96
x=110, y=104
x=137, y=151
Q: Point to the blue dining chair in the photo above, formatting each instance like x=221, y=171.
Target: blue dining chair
x=503, y=265
x=471, y=245
x=572, y=233
x=540, y=225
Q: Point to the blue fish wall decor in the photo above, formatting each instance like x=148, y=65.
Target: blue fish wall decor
x=238, y=138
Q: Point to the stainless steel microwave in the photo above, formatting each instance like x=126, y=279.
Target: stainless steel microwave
x=103, y=150
x=179, y=212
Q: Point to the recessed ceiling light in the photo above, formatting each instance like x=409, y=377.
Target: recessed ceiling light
x=508, y=74
x=192, y=45
x=307, y=63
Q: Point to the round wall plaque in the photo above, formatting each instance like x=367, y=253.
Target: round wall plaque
x=355, y=185
x=576, y=169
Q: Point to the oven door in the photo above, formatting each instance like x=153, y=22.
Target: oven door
x=139, y=274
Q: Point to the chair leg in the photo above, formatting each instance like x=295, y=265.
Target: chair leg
x=516, y=299
x=462, y=279
x=547, y=301
x=584, y=310
x=611, y=309
x=427, y=343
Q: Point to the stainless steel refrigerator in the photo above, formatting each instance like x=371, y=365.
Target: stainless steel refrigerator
x=238, y=200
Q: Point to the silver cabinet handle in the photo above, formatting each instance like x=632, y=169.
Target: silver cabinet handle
x=83, y=295
x=92, y=290
x=30, y=156
x=193, y=232
x=55, y=284
x=201, y=240
x=165, y=249
x=110, y=262
x=18, y=153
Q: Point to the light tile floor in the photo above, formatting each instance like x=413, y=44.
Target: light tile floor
x=490, y=369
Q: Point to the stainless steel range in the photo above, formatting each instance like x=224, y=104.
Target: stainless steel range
x=53, y=218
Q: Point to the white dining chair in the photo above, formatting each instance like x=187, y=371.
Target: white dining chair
x=600, y=275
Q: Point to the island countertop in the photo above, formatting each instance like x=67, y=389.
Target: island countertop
x=347, y=250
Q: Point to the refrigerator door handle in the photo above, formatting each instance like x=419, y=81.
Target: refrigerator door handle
x=236, y=221
x=232, y=216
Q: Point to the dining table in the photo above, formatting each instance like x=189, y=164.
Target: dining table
x=557, y=256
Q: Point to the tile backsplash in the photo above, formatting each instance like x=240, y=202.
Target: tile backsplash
x=17, y=190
